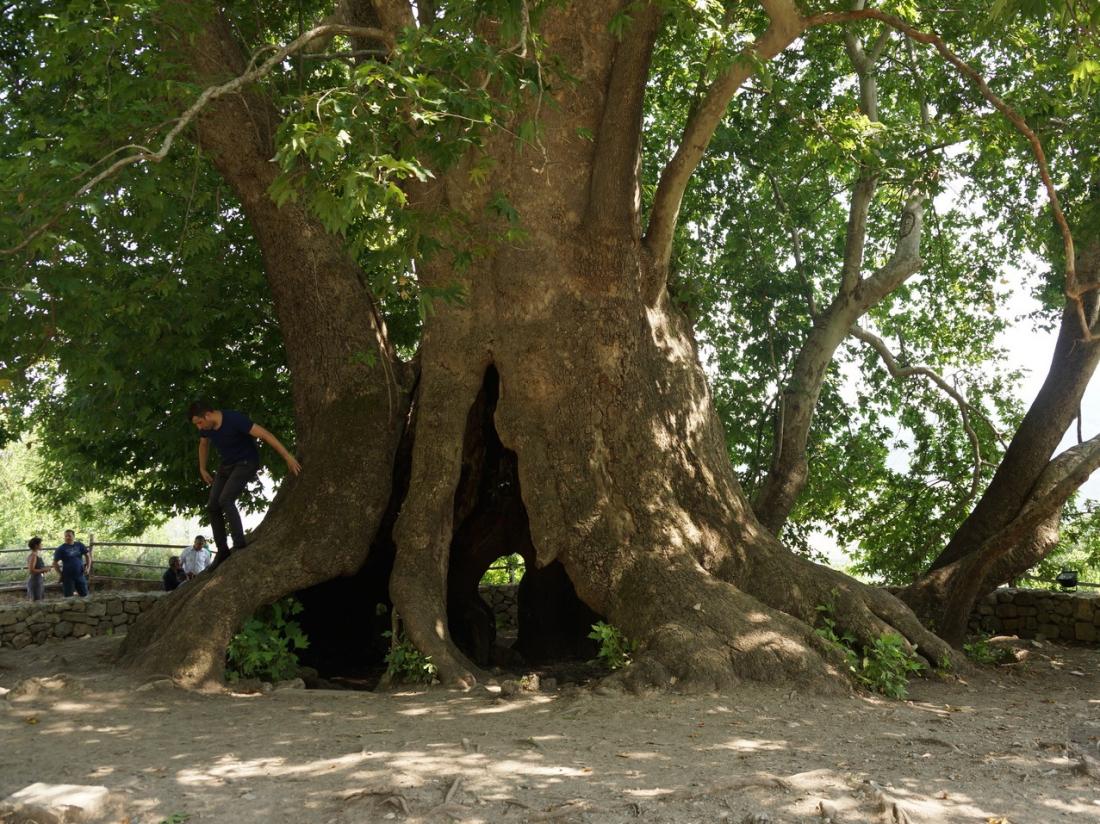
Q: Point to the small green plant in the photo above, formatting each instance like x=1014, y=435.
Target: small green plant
x=265, y=648
x=176, y=818
x=405, y=663
x=616, y=650
x=885, y=667
x=980, y=651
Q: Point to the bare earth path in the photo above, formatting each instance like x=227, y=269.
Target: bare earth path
x=991, y=750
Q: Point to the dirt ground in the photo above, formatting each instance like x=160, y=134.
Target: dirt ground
x=1006, y=745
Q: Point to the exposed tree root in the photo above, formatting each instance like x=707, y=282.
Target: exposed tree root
x=764, y=780
x=569, y=808
x=798, y=587
x=711, y=636
x=892, y=809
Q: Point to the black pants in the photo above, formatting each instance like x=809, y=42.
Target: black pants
x=229, y=482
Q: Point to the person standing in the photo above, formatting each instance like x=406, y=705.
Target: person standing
x=195, y=558
x=71, y=560
x=234, y=434
x=36, y=568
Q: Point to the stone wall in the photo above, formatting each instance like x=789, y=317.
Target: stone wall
x=1039, y=613
x=1029, y=613
x=99, y=614
x=502, y=600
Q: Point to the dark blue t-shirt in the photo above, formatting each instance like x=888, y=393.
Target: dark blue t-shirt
x=71, y=557
x=171, y=579
x=232, y=439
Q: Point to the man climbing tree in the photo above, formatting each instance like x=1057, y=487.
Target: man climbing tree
x=234, y=434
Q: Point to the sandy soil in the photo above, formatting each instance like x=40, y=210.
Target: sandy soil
x=998, y=748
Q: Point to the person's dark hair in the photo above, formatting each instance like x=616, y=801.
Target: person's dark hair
x=174, y=560
x=34, y=542
x=198, y=408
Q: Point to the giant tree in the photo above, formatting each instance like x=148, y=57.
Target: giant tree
x=556, y=384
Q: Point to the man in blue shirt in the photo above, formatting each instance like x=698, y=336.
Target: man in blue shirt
x=72, y=560
x=234, y=434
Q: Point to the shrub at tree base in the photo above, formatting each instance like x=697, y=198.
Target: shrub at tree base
x=980, y=651
x=615, y=650
x=884, y=667
x=265, y=647
x=406, y=664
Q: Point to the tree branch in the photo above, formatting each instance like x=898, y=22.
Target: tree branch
x=614, y=196
x=785, y=24
x=903, y=263
x=899, y=372
x=796, y=246
x=1074, y=290
x=776, y=496
x=1063, y=476
x=855, y=238
x=208, y=95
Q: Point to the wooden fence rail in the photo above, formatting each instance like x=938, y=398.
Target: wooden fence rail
x=109, y=566
x=506, y=565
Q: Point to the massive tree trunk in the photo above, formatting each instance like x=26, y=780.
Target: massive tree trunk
x=350, y=410
x=1015, y=522
x=603, y=415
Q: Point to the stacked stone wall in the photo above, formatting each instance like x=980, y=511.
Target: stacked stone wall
x=1028, y=613
x=1038, y=613
x=102, y=614
x=503, y=601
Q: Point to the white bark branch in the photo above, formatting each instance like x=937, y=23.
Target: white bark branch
x=145, y=155
x=1075, y=290
x=899, y=372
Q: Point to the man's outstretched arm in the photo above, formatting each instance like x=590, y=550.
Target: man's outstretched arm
x=292, y=464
